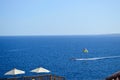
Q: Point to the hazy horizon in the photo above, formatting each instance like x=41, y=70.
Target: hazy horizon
x=113, y=34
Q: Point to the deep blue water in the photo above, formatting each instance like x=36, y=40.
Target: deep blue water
x=55, y=53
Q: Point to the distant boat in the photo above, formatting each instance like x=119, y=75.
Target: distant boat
x=85, y=50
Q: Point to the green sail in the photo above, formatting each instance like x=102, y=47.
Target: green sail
x=85, y=50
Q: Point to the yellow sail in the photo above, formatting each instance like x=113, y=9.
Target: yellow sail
x=85, y=50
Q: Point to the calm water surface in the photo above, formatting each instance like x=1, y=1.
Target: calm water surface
x=55, y=53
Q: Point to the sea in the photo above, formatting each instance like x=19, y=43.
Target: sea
x=62, y=55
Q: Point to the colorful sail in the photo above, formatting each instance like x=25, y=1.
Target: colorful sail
x=85, y=50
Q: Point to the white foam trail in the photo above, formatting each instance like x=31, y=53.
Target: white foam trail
x=97, y=58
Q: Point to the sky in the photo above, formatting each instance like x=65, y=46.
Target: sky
x=59, y=17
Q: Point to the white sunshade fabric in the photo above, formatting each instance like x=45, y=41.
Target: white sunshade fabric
x=40, y=70
x=15, y=72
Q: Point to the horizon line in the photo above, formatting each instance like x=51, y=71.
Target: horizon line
x=67, y=34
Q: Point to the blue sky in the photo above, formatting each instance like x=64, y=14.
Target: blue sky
x=59, y=17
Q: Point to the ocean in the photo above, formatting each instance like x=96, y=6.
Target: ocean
x=58, y=54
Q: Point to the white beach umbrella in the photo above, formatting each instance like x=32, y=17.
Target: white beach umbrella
x=40, y=70
x=14, y=72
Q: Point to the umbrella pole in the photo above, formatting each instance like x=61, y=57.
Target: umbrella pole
x=50, y=77
x=15, y=77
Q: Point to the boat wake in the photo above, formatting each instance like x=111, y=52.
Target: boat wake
x=96, y=58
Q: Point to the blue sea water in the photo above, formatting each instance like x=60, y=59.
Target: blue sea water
x=55, y=53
